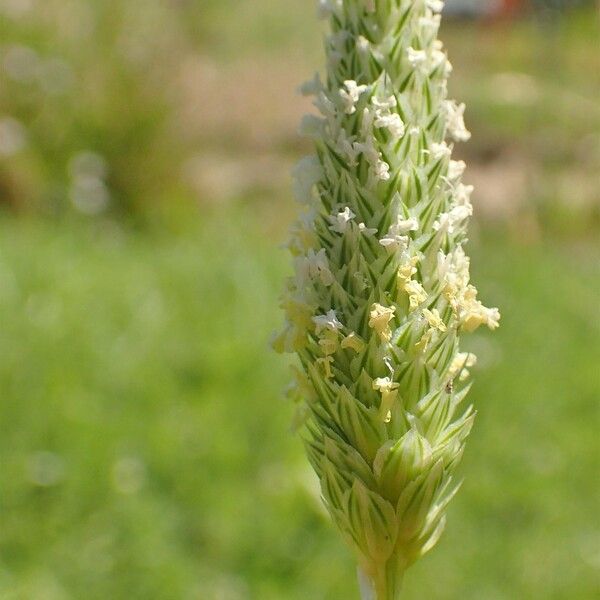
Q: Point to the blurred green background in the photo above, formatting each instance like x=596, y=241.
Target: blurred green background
x=145, y=451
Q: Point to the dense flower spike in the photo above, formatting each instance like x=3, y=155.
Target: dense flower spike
x=381, y=291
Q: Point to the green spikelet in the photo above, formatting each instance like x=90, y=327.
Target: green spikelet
x=381, y=291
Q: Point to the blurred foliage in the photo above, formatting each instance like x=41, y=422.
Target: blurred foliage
x=85, y=99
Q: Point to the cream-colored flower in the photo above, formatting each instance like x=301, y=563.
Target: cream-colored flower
x=407, y=270
x=380, y=318
x=460, y=365
x=476, y=314
x=325, y=362
x=353, y=342
x=329, y=342
x=389, y=393
x=416, y=293
x=434, y=319
x=422, y=345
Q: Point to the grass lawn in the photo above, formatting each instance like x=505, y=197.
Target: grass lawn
x=145, y=444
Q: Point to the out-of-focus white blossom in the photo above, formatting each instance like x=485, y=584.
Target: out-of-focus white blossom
x=455, y=114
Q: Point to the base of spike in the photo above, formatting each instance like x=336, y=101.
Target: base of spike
x=381, y=582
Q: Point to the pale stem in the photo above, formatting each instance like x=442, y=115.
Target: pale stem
x=384, y=582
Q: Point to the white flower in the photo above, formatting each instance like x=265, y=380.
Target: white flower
x=379, y=167
x=347, y=147
x=392, y=122
x=455, y=121
x=325, y=106
x=362, y=44
x=306, y=174
x=417, y=58
x=462, y=194
x=460, y=213
x=318, y=266
x=311, y=87
x=456, y=169
x=302, y=233
x=449, y=222
x=311, y=126
x=341, y=220
x=443, y=223
x=328, y=7
x=351, y=95
x=370, y=6
x=384, y=103
x=430, y=24
x=438, y=57
x=437, y=6
x=394, y=240
x=366, y=230
x=406, y=225
x=382, y=170
x=444, y=265
x=327, y=321
x=438, y=151
x=427, y=61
